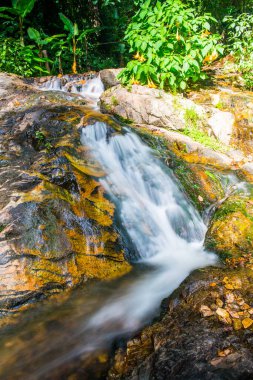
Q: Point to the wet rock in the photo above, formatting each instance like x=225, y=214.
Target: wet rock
x=56, y=224
x=215, y=349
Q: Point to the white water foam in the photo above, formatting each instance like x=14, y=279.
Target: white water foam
x=87, y=88
x=162, y=224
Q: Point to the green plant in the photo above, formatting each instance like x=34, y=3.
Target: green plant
x=20, y=8
x=191, y=117
x=75, y=37
x=40, y=136
x=171, y=45
x=19, y=59
x=114, y=101
x=192, y=130
x=240, y=44
x=42, y=41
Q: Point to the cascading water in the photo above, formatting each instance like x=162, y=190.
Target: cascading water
x=163, y=226
x=90, y=88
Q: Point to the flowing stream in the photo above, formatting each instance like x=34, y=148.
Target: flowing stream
x=166, y=235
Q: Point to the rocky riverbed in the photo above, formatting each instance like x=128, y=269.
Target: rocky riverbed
x=58, y=226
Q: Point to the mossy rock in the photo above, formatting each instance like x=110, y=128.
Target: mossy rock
x=230, y=232
x=56, y=222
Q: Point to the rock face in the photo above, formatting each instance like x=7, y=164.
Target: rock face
x=56, y=225
x=231, y=228
x=236, y=102
x=142, y=105
x=205, y=332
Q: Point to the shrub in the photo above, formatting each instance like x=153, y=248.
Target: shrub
x=240, y=44
x=19, y=59
x=171, y=45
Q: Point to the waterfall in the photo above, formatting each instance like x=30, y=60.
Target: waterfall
x=90, y=88
x=163, y=226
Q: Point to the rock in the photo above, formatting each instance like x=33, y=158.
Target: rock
x=247, y=171
x=56, y=224
x=142, y=105
x=231, y=229
x=206, y=311
x=222, y=124
x=182, y=337
x=109, y=77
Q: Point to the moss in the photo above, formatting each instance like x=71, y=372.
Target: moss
x=220, y=105
x=114, y=101
x=2, y=227
x=231, y=230
x=193, y=130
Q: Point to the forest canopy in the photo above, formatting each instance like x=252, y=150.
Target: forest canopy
x=162, y=43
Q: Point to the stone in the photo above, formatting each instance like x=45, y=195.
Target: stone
x=222, y=124
x=206, y=311
x=109, y=77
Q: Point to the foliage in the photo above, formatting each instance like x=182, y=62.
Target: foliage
x=171, y=45
x=75, y=37
x=101, y=28
x=19, y=59
x=20, y=8
x=240, y=44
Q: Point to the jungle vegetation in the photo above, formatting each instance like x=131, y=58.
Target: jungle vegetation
x=163, y=43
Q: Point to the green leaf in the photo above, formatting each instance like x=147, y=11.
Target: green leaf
x=8, y=9
x=183, y=85
x=68, y=24
x=23, y=7
x=34, y=34
x=76, y=31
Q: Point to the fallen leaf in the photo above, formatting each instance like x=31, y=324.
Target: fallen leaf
x=245, y=306
x=234, y=314
x=247, y=322
x=225, y=352
x=223, y=316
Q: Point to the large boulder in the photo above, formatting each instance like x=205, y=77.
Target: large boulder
x=142, y=105
x=149, y=106
x=56, y=224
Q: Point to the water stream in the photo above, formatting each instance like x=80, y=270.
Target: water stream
x=167, y=235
